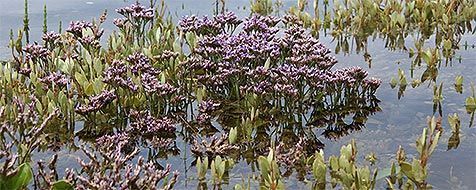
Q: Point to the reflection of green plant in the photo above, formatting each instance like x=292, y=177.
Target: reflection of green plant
x=459, y=84
x=471, y=101
x=401, y=82
x=319, y=170
x=219, y=170
x=437, y=97
x=455, y=124
x=471, y=105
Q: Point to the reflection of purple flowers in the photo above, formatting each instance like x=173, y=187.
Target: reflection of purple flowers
x=205, y=109
x=136, y=11
x=146, y=124
x=27, y=113
x=97, y=102
x=116, y=75
x=119, y=141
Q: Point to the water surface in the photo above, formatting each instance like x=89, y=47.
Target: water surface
x=399, y=123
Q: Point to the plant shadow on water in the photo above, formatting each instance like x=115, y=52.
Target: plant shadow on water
x=217, y=93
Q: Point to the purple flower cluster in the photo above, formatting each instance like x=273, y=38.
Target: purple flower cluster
x=152, y=85
x=140, y=63
x=97, y=102
x=136, y=11
x=205, y=109
x=36, y=52
x=116, y=75
x=259, y=23
x=27, y=113
x=50, y=37
x=76, y=28
x=147, y=125
x=296, y=61
x=57, y=79
x=120, y=22
x=206, y=26
x=303, y=49
x=166, y=55
x=227, y=19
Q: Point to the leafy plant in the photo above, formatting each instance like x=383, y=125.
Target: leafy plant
x=18, y=178
x=416, y=171
x=269, y=171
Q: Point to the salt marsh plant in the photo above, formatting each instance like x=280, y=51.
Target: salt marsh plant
x=231, y=88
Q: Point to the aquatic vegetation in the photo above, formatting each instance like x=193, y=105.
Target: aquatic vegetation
x=230, y=89
x=471, y=105
x=455, y=124
x=459, y=84
x=414, y=175
x=442, y=22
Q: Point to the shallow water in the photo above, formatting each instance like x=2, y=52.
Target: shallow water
x=399, y=123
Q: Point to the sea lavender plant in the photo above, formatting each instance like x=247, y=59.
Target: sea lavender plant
x=116, y=75
x=56, y=79
x=141, y=64
x=35, y=52
x=76, y=28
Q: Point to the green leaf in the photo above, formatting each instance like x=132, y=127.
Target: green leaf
x=81, y=79
x=267, y=63
x=319, y=168
x=393, y=82
x=434, y=143
x=62, y=185
x=406, y=168
x=158, y=34
x=232, y=135
x=20, y=178
x=264, y=166
x=238, y=187
x=87, y=57
x=89, y=89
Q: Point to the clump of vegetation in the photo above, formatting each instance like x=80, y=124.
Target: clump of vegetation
x=230, y=87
